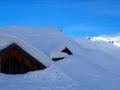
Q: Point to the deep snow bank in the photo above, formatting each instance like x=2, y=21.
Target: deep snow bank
x=93, y=65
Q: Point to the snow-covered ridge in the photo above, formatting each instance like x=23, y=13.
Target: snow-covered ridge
x=111, y=39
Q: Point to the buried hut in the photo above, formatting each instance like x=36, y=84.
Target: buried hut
x=24, y=49
x=60, y=52
x=18, y=57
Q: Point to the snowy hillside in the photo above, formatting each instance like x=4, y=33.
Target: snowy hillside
x=94, y=65
x=111, y=39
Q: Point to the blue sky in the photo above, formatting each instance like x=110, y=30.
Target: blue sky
x=75, y=17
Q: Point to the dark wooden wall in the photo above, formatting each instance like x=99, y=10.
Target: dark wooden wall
x=15, y=60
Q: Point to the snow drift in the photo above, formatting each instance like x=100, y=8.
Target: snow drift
x=92, y=66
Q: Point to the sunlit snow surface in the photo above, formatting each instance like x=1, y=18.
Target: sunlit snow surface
x=94, y=65
x=49, y=79
x=115, y=39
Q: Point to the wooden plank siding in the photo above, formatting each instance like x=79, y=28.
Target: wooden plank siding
x=14, y=60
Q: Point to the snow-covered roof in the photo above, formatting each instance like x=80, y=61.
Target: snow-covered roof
x=6, y=40
x=58, y=55
x=37, y=41
x=60, y=48
x=4, y=44
x=42, y=38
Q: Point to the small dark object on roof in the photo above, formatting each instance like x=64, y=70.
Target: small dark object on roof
x=66, y=50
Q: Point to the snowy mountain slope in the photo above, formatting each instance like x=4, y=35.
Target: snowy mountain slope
x=107, y=38
x=105, y=53
x=110, y=48
x=101, y=45
x=89, y=68
x=89, y=74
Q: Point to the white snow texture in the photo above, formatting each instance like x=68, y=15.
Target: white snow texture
x=94, y=65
